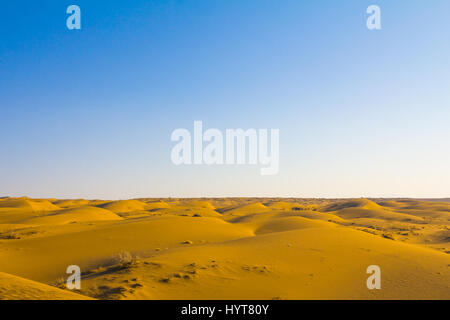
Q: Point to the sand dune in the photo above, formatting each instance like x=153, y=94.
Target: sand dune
x=16, y=288
x=73, y=215
x=290, y=223
x=26, y=204
x=124, y=206
x=294, y=265
x=234, y=248
x=240, y=210
x=71, y=203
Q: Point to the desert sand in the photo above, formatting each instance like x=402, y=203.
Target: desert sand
x=225, y=248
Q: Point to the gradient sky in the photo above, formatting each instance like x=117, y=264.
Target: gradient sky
x=89, y=113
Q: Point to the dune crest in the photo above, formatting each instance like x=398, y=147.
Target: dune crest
x=122, y=206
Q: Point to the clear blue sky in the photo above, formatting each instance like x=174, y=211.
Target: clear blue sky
x=89, y=113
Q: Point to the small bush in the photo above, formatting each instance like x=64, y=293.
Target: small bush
x=126, y=260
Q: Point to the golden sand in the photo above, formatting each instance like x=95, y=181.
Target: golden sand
x=229, y=248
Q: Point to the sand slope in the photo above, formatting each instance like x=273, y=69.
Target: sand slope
x=16, y=288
